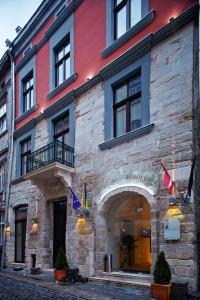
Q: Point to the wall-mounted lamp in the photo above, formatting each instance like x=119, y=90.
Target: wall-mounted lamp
x=34, y=226
x=172, y=201
x=171, y=19
x=7, y=229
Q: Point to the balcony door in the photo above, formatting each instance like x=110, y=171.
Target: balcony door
x=20, y=233
x=61, y=129
x=59, y=227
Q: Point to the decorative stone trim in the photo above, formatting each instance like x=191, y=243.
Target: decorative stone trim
x=146, y=20
x=63, y=85
x=126, y=137
x=63, y=16
x=88, y=85
x=27, y=113
x=60, y=104
x=25, y=128
x=58, y=22
x=26, y=58
x=124, y=60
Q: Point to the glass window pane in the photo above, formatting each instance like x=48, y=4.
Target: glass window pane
x=31, y=81
x=136, y=119
x=29, y=145
x=136, y=13
x=66, y=138
x=66, y=122
x=60, y=74
x=31, y=98
x=121, y=93
x=121, y=22
x=2, y=110
x=67, y=68
x=118, y=2
x=58, y=126
x=135, y=86
x=121, y=120
x=67, y=49
x=60, y=55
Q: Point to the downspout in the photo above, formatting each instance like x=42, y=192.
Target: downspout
x=10, y=152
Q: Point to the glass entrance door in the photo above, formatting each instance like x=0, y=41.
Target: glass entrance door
x=59, y=228
x=129, y=234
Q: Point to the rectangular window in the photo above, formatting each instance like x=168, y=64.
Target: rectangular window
x=61, y=133
x=62, y=62
x=61, y=129
x=127, y=105
x=28, y=93
x=25, y=150
x=3, y=125
x=2, y=177
x=1, y=227
x=126, y=14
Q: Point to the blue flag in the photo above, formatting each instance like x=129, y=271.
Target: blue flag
x=76, y=202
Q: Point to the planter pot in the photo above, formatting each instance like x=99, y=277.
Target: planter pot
x=161, y=291
x=60, y=275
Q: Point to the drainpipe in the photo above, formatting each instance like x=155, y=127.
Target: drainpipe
x=10, y=151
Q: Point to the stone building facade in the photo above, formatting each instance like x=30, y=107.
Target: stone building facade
x=117, y=177
x=5, y=124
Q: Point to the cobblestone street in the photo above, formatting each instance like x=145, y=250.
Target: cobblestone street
x=16, y=287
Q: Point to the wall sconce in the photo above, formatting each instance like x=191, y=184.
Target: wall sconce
x=173, y=210
x=83, y=213
x=34, y=227
x=7, y=229
x=171, y=19
x=172, y=201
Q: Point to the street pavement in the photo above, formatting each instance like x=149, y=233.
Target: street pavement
x=17, y=287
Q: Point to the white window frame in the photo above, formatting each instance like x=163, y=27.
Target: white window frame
x=3, y=112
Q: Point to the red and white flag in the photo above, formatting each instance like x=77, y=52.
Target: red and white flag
x=167, y=180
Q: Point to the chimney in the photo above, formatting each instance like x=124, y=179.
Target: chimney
x=18, y=29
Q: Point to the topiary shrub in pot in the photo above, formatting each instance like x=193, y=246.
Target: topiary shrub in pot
x=161, y=287
x=61, y=266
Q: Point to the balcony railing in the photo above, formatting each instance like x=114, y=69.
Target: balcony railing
x=53, y=152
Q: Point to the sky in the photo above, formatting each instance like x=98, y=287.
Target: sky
x=14, y=13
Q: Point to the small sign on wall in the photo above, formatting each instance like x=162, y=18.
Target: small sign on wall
x=172, y=229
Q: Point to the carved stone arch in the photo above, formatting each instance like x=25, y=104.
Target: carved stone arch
x=104, y=202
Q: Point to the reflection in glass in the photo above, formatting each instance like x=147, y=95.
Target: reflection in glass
x=121, y=22
x=129, y=240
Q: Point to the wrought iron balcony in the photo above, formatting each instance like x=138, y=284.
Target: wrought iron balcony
x=53, y=152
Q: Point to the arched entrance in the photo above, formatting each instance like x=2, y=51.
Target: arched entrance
x=129, y=233
x=126, y=227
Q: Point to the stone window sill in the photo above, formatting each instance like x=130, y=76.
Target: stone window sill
x=63, y=85
x=126, y=137
x=146, y=20
x=27, y=113
x=3, y=133
x=18, y=180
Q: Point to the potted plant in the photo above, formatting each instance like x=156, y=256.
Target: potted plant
x=161, y=287
x=61, y=266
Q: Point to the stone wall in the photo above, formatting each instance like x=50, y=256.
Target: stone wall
x=170, y=142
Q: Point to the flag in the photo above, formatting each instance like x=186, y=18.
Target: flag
x=191, y=178
x=75, y=200
x=167, y=180
x=85, y=195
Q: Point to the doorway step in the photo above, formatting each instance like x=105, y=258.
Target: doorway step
x=124, y=279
